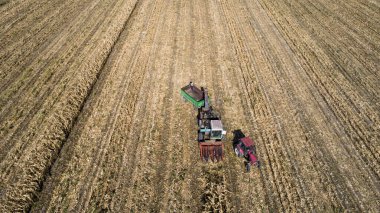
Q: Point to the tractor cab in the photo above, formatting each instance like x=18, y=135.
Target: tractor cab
x=217, y=132
x=245, y=147
x=211, y=130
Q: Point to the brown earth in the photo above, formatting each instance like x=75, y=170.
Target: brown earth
x=91, y=118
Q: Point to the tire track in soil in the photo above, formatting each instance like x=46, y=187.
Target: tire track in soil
x=338, y=131
x=126, y=159
x=216, y=196
x=257, y=102
x=115, y=204
x=223, y=82
x=268, y=45
x=272, y=54
x=152, y=81
x=295, y=13
x=144, y=197
x=214, y=193
x=304, y=190
x=168, y=111
x=364, y=10
x=303, y=120
x=321, y=81
x=231, y=166
x=115, y=58
x=146, y=127
x=285, y=150
x=176, y=191
x=362, y=35
x=220, y=58
x=334, y=52
x=69, y=129
x=353, y=123
x=200, y=171
x=185, y=187
x=83, y=203
x=194, y=164
x=137, y=121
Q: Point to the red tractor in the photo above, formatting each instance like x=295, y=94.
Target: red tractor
x=244, y=147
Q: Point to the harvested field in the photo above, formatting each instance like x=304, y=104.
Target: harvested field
x=91, y=118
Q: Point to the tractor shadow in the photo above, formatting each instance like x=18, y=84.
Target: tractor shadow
x=238, y=134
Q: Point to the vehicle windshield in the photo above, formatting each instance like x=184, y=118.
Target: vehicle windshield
x=216, y=134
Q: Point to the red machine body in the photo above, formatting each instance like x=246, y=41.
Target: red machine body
x=245, y=147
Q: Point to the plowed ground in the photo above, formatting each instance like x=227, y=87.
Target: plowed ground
x=91, y=118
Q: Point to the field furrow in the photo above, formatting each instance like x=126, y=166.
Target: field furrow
x=29, y=106
x=92, y=120
x=40, y=144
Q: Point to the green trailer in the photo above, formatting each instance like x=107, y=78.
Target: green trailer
x=194, y=95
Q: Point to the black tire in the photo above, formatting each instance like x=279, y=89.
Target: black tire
x=258, y=164
x=248, y=167
x=201, y=137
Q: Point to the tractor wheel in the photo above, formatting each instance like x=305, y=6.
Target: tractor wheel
x=258, y=164
x=248, y=166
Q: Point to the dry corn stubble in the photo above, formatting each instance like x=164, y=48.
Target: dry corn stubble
x=299, y=77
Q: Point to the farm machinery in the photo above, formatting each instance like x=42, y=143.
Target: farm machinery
x=245, y=147
x=210, y=127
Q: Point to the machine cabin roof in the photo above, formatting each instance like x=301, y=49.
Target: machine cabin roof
x=216, y=125
x=247, y=141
